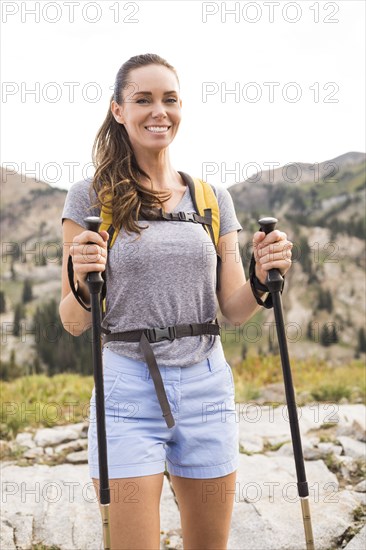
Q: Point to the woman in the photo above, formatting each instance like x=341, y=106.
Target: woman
x=160, y=278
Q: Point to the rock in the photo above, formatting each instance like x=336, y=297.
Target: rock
x=361, y=487
x=25, y=439
x=348, y=466
x=76, y=445
x=267, y=421
x=272, y=423
x=343, y=401
x=6, y=535
x=173, y=540
x=57, y=505
x=352, y=421
x=314, y=452
x=272, y=393
x=326, y=448
x=80, y=457
x=358, y=542
x=34, y=453
x=352, y=430
x=355, y=449
x=46, y=437
x=360, y=497
x=22, y=525
x=267, y=511
x=252, y=443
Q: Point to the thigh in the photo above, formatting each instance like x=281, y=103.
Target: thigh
x=135, y=512
x=205, y=507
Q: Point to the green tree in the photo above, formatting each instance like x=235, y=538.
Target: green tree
x=58, y=349
x=36, y=367
x=13, y=272
x=310, y=331
x=325, y=300
x=9, y=369
x=361, y=344
x=2, y=302
x=27, y=295
x=334, y=334
x=304, y=255
x=19, y=314
x=325, y=337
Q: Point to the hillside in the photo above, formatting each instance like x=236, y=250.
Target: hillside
x=30, y=210
x=325, y=218
x=321, y=208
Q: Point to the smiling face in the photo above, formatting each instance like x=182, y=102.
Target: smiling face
x=151, y=107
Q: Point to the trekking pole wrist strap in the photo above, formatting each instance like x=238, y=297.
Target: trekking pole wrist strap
x=75, y=290
x=257, y=286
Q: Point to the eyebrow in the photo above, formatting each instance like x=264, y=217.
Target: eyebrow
x=149, y=93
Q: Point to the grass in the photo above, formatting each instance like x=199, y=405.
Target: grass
x=322, y=380
x=41, y=546
x=39, y=401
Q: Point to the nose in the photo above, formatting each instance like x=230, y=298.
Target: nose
x=159, y=111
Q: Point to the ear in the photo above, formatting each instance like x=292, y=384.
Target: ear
x=117, y=112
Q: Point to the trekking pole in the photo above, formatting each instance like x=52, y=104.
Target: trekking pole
x=274, y=282
x=95, y=283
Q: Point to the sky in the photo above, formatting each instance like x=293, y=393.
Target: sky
x=262, y=83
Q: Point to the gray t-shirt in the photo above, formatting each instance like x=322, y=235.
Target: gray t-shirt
x=167, y=277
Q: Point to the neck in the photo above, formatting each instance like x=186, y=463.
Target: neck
x=158, y=166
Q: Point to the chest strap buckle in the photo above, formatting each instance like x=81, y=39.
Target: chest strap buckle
x=187, y=216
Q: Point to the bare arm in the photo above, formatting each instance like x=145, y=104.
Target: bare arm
x=86, y=258
x=235, y=297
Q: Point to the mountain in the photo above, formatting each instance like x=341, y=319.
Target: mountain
x=30, y=209
x=307, y=189
x=322, y=210
x=320, y=207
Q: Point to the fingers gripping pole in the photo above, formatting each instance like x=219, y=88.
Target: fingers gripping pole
x=274, y=283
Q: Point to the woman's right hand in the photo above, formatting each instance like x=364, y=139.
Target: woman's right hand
x=87, y=257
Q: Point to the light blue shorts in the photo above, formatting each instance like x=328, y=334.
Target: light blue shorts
x=204, y=443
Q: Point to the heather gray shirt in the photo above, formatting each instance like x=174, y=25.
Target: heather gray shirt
x=167, y=277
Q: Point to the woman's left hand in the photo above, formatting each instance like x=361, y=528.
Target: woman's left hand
x=271, y=251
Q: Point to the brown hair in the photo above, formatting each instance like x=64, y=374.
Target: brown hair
x=116, y=178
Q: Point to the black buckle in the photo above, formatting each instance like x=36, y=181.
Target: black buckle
x=187, y=216
x=158, y=334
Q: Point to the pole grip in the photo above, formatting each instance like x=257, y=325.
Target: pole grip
x=274, y=279
x=94, y=278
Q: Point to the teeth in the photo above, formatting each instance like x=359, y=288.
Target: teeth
x=157, y=128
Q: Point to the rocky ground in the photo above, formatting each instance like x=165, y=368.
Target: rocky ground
x=48, y=498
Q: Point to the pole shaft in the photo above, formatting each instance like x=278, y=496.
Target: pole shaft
x=99, y=401
x=305, y=508
x=290, y=397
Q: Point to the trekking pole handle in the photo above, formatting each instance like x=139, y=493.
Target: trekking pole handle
x=274, y=280
x=94, y=278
